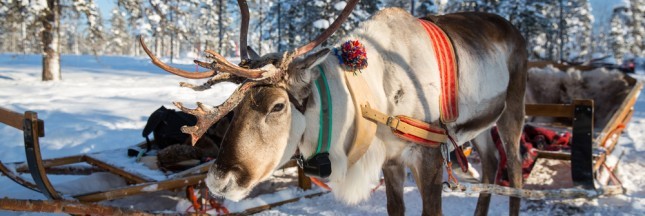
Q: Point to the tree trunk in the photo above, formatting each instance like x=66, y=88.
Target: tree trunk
x=50, y=39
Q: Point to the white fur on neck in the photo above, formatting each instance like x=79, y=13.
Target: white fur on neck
x=350, y=184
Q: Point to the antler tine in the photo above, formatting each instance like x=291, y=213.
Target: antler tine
x=219, y=78
x=244, y=29
x=222, y=65
x=176, y=71
x=207, y=116
x=329, y=31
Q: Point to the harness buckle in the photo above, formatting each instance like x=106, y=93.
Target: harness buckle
x=389, y=121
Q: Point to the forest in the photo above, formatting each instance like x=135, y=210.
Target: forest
x=556, y=30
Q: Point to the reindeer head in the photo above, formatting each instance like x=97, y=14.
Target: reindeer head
x=266, y=127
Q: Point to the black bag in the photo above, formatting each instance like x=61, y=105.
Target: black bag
x=165, y=125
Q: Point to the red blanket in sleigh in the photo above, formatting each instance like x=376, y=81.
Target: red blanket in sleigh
x=533, y=139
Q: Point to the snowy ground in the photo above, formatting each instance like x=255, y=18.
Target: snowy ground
x=102, y=105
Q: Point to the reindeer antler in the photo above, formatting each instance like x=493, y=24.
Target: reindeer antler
x=176, y=71
x=329, y=31
x=219, y=78
x=244, y=29
x=207, y=116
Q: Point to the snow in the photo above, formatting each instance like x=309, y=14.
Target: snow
x=102, y=103
x=340, y=5
x=321, y=24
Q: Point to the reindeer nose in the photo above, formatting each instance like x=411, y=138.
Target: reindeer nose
x=219, y=180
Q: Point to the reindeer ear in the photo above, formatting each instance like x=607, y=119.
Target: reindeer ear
x=252, y=53
x=311, y=60
x=301, y=75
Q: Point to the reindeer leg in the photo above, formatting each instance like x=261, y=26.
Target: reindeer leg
x=511, y=122
x=428, y=174
x=510, y=129
x=486, y=150
x=394, y=173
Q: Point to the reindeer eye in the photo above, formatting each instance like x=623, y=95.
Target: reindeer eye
x=278, y=107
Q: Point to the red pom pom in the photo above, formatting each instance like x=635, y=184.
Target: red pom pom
x=352, y=55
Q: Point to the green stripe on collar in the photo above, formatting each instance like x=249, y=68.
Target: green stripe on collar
x=324, y=133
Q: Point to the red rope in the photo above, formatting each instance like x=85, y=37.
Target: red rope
x=321, y=184
x=196, y=207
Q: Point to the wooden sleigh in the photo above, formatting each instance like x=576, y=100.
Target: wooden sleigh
x=85, y=203
x=584, y=166
x=595, y=124
x=582, y=170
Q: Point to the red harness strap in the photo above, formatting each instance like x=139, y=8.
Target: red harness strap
x=448, y=70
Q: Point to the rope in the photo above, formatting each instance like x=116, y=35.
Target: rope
x=565, y=193
x=196, y=207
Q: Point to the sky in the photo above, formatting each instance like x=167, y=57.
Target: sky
x=601, y=10
x=106, y=6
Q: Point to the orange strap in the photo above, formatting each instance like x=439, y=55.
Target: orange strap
x=447, y=62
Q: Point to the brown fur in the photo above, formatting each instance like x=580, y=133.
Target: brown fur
x=258, y=102
x=551, y=85
x=477, y=31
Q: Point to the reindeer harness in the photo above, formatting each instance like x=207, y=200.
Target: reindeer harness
x=403, y=127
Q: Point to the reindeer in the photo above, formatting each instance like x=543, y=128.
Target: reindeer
x=276, y=106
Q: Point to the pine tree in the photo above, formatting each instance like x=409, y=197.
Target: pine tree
x=120, y=37
x=427, y=7
x=577, y=31
x=638, y=27
x=620, y=32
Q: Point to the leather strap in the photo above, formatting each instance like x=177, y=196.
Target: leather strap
x=364, y=129
x=435, y=134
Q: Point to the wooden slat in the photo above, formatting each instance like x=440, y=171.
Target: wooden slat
x=120, y=172
x=554, y=155
x=549, y=110
x=140, y=188
x=16, y=178
x=70, y=170
x=52, y=162
x=16, y=120
x=261, y=208
x=304, y=182
x=11, y=118
x=69, y=207
x=625, y=111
